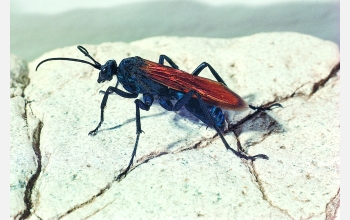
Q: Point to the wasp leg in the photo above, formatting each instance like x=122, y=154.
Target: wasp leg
x=277, y=105
x=165, y=103
x=165, y=57
x=219, y=79
x=110, y=90
x=148, y=101
x=215, y=74
x=211, y=122
x=196, y=71
x=116, y=86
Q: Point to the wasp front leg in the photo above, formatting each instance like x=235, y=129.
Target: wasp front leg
x=148, y=101
x=110, y=90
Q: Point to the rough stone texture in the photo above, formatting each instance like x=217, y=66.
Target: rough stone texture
x=22, y=157
x=18, y=75
x=182, y=169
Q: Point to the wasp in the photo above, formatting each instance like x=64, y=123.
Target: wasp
x=173, y=88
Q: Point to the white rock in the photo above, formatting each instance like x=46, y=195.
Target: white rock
x=76, y=179
x=18, y=75
x=23, y=162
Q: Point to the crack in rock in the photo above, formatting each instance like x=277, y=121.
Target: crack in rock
x=142, y=160
x=100, y=209
x=88, y=201
x=251, y=167
x=197, y=145
x=32, y=180
x=255, y=175
x=317, y=85
x=322, y=82
x=333, y=206
x=237, y=130
x=25, y=115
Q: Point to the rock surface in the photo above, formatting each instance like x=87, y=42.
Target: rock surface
x=182, y=169
x=18, y=75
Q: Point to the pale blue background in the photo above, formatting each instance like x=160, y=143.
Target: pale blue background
x=38, y=26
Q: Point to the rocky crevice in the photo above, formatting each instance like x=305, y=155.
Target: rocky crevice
x=322, y=82
x=333, y=206
x=139, y=162
x=31, y=183
x=250, y=166
x=101, y=192
x=256, y=178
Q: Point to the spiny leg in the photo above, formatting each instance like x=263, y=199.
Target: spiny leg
x=148, y=101
x=110, y=90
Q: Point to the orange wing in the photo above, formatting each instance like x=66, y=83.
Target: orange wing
x=212, y=92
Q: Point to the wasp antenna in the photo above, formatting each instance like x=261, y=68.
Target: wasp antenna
x=96, y=64
x=69, y=59
x=83, y=50
x=86, y=53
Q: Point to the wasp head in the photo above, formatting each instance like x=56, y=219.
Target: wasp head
x=107, y=71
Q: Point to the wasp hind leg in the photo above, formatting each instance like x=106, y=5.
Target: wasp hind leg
x=270, y=107
x=219, y=79
x=210, y=121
